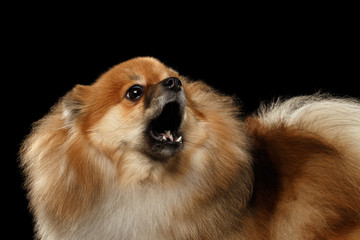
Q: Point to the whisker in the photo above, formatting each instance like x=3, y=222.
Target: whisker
x=128, y=119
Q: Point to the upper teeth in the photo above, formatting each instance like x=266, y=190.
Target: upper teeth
x=168, y=133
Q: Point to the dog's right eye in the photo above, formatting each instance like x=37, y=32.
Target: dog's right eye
x=135, y=93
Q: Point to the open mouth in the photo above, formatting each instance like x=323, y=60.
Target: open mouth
x=165, y=127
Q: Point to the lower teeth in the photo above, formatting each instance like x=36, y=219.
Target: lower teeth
x=167, y=136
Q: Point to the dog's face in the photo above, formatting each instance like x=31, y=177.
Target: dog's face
x=137, y=110
x=150, y=109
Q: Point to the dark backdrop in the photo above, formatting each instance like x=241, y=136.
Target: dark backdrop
x=254, y=61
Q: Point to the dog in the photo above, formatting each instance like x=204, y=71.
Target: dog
x=145, y=153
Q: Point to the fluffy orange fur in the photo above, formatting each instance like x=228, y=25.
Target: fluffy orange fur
x=292, y=171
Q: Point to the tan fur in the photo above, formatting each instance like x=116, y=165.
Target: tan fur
x=292, y=171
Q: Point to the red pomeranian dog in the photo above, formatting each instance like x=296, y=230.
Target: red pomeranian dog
x=144, y=153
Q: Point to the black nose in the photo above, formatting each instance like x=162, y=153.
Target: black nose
x=172, y=83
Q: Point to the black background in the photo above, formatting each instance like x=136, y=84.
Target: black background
x=255, y=57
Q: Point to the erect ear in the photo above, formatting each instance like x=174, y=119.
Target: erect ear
x=73, y=102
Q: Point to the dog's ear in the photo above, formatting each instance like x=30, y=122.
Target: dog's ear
x=74, y=102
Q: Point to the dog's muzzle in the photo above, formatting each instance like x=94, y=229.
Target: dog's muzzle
x=166, y=103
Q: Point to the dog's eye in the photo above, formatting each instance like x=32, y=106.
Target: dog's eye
x=135, y=93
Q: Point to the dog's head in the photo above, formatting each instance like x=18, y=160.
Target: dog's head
x=139, y=104
x=148, y=119
x=136, y=107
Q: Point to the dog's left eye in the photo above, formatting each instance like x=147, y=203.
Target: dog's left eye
x=135, y=93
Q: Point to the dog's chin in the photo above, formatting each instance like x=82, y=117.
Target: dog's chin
x=163, y=134
x=162, y=152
